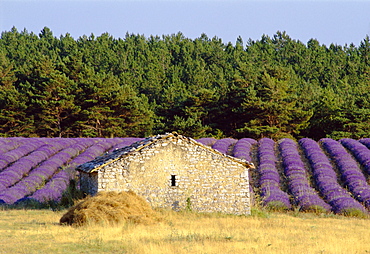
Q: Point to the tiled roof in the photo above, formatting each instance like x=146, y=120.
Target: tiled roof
x=102, y=161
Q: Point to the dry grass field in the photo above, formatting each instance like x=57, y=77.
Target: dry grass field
x=38, y=231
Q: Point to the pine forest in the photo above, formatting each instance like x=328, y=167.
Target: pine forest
x=100, y=86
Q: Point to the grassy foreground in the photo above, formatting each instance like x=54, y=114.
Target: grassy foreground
x=38, y=231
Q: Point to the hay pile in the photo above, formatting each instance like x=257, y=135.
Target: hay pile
x=110, y=208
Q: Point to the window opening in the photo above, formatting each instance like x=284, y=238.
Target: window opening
x=173, y=180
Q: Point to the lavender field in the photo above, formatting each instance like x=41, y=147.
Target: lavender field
x=323, y=176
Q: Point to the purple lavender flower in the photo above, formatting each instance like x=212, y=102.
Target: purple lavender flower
x=124, y=142
x=53, y=190
x=57, y=185
x=326, y=179
x=242, y=149
x=272, y=195
x=8, y=145
x=351, y=174
x=305, y=196
x=36, y=176
x=17, y=153
x=207, y=141
x=359, y=151
x=224, y=144
x=24, y=165
x=365, y=141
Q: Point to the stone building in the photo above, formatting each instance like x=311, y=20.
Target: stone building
x=172, y=171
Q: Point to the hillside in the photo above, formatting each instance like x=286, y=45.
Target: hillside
x=307, y=175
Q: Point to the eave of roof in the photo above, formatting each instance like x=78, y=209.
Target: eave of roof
x=104, y=160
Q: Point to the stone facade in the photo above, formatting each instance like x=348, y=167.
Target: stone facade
x=172, y=171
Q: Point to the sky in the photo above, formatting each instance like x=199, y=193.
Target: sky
x=331, y=21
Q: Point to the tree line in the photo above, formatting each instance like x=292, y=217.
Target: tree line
x=138, y=86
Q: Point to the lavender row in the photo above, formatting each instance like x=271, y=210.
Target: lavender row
x=37, y=176
x=207, y=141
x=350, y=172
x=41, y=173
x=359, y=151
x=124, y=142
x=306, y=197
x=223, y=145
x=272, y=195
x=17, y=153
x=326, y=179
x=14, y=173
x=365, y=141
x=7, y=144
x=242, y=149
x=58, y=184
x=53, y=189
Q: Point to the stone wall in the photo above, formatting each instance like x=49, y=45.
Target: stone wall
x=89, y=183
x=175, y=173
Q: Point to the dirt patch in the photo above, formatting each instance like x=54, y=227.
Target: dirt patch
x=109, y=208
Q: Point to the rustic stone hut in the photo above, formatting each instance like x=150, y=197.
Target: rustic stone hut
x=172, y=171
